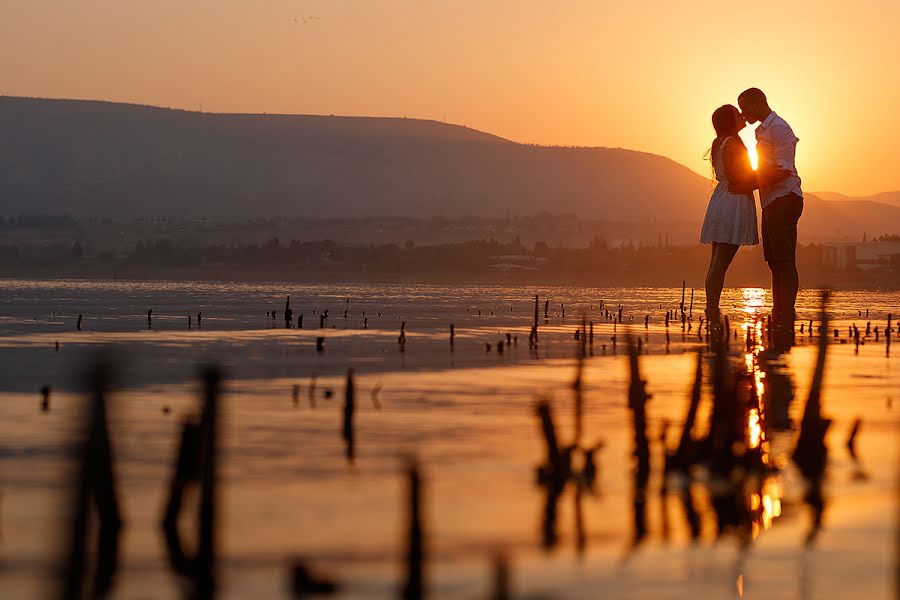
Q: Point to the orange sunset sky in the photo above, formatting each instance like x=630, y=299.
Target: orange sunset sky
x=640, y=75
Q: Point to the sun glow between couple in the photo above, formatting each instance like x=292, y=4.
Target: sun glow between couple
x=748, y=135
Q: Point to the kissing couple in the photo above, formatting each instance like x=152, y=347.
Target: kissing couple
x=730, y=220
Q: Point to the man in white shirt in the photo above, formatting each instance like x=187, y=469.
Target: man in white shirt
x=781, y=199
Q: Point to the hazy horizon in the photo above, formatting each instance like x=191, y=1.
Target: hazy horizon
x=583, y=75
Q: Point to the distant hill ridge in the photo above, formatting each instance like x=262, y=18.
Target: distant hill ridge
x=87, y=157
x=95, y=158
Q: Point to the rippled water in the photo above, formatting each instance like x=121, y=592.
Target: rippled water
x=468, y=414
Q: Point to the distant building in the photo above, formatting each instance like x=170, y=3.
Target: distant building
x=866, y=256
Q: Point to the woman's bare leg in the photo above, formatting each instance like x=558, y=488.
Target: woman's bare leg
x=719, y=260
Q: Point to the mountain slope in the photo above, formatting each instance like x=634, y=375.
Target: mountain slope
x=89, y=158
x=97, y=158
x=892, y=198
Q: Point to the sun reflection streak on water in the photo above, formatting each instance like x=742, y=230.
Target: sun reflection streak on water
x=766, y=503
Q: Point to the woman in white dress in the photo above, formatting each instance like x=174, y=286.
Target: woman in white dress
x=730, y=220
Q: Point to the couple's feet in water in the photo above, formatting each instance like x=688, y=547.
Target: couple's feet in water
x=779, y=337
x=781, y=332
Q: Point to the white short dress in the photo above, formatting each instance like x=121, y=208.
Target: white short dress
x=730, y=218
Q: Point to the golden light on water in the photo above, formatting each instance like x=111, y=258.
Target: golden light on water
x=767, y=505
x=754, y=429
x=754, y=299
x=771, y=501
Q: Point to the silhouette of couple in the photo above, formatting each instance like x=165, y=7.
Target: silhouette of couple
x=730, y=220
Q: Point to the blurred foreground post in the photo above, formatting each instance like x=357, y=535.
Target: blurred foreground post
x=637, y=403
x=95, y=479
x=414, y=587
x=349, y=408
x=197, y=462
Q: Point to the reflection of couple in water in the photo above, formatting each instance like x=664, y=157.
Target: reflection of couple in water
x=730, y=220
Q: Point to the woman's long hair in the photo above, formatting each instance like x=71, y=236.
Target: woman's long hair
x=725, y=124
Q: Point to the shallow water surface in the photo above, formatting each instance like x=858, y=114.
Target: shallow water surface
x=287, y=489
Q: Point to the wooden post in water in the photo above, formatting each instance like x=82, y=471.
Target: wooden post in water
x=683, y=285
x=452, y=334
x=888, y=342
x=78, y=323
